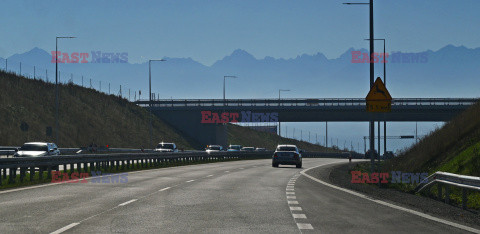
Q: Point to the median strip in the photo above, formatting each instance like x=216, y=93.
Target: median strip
x=426, y=216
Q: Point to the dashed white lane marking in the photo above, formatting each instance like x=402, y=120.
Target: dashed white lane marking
x=128, y=202
x=299, y=216
x=470, y=229
x=295, y=208
x=65, y=228
x=304, y=226
x=241, y=168
x=189, y=181
x=227, y=171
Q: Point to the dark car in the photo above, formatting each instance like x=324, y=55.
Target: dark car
x=287, y=155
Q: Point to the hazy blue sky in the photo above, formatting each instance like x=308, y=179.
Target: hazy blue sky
x=208, y=30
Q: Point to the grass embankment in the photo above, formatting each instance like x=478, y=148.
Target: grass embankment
x=454, y=148
x=85, y=115
x=238, y=135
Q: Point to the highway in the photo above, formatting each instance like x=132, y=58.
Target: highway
x=227, y=197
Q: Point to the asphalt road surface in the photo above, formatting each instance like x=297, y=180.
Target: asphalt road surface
x=226, y=197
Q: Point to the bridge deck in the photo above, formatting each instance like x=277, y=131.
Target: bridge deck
x=316, y=110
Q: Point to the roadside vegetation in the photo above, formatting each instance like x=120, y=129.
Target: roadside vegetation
x=85, y=116
x=454, y=148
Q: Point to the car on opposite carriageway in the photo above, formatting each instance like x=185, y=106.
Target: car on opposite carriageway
x=249, y=149
x=213, y=148
x=166, y=147
x=37, y=149
x=234, y=148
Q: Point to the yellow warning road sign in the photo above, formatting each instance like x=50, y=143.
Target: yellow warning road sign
x=379, y=99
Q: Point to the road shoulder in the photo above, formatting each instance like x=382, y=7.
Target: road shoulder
x=338, y=174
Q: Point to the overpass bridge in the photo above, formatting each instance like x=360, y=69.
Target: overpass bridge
x=202, y=118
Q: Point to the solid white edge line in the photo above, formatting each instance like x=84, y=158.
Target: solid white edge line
x=128, y=202
x=65, y=228
x=189, y=181
x=460, y=226
x=163, y=189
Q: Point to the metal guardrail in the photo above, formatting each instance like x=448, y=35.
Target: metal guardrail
x=449, y=179
x=330, y=155
x=10, y=150
x=82, y=163
x=303, y=102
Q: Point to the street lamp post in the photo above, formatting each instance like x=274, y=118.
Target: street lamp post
x=150, y=96
x=57, y=125
x=279, y=127
x=384, y=82
x=371, y=123
x=224, y=77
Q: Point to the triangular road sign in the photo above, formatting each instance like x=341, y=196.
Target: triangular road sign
x=378, y=92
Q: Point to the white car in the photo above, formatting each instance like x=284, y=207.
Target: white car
x=166, y=147
x=248, y=149
x=37, y=149
x=213, y=148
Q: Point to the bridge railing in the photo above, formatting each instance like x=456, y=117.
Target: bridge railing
x=445, y=179
x=301, y=102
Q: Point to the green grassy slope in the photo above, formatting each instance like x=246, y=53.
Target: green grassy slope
x=454, y=148
x=86, y=115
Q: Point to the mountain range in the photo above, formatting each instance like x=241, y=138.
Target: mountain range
x=451, y=71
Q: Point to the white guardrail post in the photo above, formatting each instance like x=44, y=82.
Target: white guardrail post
x=445, y=179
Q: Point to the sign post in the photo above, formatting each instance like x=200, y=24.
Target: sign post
x=378, y=100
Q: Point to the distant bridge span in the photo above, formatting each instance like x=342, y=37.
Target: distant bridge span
x=186, y=114
x=318, y=110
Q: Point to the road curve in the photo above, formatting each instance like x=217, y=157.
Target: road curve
x=241, y=197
